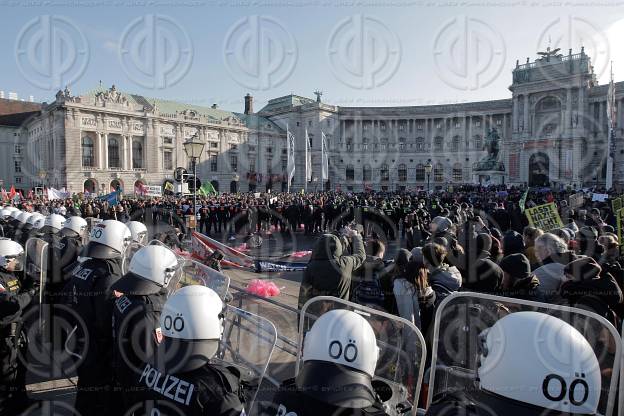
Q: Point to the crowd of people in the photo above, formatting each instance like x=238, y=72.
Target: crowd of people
x=145, y=343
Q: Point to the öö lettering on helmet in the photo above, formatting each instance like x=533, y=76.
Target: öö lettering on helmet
x=349, y=353
x=176, y=324
x=555, y=389
x=167, y=385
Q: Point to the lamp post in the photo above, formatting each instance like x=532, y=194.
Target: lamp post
x=193, y=148
x=428, y=169
x=315, y=180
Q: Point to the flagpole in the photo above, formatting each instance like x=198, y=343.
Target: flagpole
x=287, y=159
x=610, y=109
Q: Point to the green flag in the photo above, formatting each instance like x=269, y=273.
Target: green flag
x=207, y=189
x=522, y=202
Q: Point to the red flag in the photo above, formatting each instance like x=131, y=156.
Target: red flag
x=12, y=192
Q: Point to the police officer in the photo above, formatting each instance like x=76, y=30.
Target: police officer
x=339, y=359
x=192, y=326
x=141, y=294
x=562, y=380
x=13, y=300
x=68, y=242
x=13, y=223
x=92, y=299
x=138, y=231
x=5, y=217
x=22, y=228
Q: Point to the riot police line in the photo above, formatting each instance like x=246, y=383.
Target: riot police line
x=148, y=332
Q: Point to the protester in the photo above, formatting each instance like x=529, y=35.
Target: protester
x=329, y=271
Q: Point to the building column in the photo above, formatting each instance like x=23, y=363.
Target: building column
x=526, y=129
x=105, y=151
x=568, y=113
x=98, y=151
x=483, y=129
x=130, y=165
x=514, y=114
x=470, y=142
x=601, y=116
x=124, y=153
x=503, y=130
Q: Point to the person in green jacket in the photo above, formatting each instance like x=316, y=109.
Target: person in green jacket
x=330, y=269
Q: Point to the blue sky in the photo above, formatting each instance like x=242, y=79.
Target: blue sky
x=414, y=52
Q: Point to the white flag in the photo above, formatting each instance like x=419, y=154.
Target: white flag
x=290, y=145
x=308, y=158
x=324, y=159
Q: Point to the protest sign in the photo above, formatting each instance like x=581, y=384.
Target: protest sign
x=619, y=219
x=544, y=216
x=152, y=190
x=616, y=204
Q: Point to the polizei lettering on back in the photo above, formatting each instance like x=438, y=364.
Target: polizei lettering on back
x=167, y=385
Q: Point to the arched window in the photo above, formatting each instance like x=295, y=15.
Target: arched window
x=458, y=172
x=438, y=172
x=88, y=159
x=402, y=172
x=350, y=173
x=137, y=154
x=455, y=144
x=420, y=172
x=385, y=172
x=367, y=173
x=364, y=143
x=215, y=185
x=420, y=144
x=438, y=144
x=113, y=153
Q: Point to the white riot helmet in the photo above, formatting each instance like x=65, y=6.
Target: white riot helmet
x=11, y=208
x=34, y=217
x=192, y=323
x=10, y=250
x=5, y=213
x=563, y=375
x=39, y=223
x=54, y=223
x=76, y=224
x=108, y=240
x=15, y=214
x=340, y=349
x=151, y=269
x=24, y=216
x=139, y=231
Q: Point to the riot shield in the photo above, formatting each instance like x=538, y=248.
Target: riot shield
x=36, y=268
x=248, y=342
x=402, y=350
x=132, y=248
x=457, y=348
x=195, y=273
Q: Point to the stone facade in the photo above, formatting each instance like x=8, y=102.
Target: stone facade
x=553, y=131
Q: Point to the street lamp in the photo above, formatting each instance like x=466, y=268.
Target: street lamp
x=193, y=148
x=428, y=169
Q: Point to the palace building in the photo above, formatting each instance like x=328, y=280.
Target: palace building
x=553, y=132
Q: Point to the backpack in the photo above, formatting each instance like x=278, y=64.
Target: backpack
x=369, y=293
